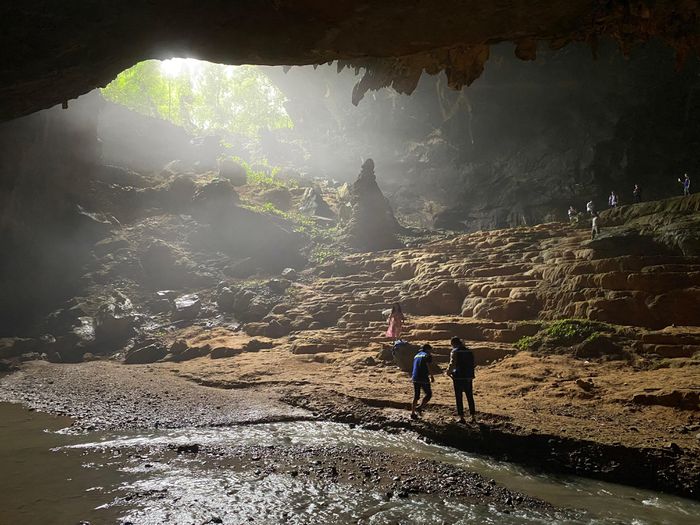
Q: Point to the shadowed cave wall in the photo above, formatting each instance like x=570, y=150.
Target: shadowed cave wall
x=520, y=145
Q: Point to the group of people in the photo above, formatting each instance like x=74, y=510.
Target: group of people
x=460, y=369
x=613, y=202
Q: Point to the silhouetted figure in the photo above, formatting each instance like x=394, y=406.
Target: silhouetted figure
x=396, y=319
x=594, y=226
x=612, y=200
x=590, y=207
x=421, y=377
x=686, y=184
x=461, y=370
x=637, y=193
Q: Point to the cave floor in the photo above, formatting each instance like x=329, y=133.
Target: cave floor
x=531, y=409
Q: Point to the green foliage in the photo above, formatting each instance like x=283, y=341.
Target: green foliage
x=322, y=253
x=264, y=178
x=202, y=96
x=526, y=342
x=572, y=331
x=564, y=333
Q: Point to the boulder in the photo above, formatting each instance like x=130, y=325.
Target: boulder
x=233, y=172
x=84, y=332
x=167, y=266
x=145, y=354
x=681, y=399
x=224, y=351
x=213, y=201
x=279, y=197
x=290, y=274
x=225, y=299
x=273, y=329
x=187, y=352
x=255, y=345
x=309, y=347
x=115, y=320
x=404, y=353
x=313, y=204
x=599, y=346
x=178, y=347
x=186, y=307
x=176, y=195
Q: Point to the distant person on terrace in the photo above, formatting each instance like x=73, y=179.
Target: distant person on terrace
x=421, y=377
x=637, y=193
x=594, y=226
x=573, y=215
x=612, y=200
x=461, y=370
x=396, y=319
x=590, y=207
x=686, y=184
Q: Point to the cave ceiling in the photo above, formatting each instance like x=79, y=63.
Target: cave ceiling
x=55, y=50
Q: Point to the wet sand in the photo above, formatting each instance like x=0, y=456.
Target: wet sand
x=104, y=395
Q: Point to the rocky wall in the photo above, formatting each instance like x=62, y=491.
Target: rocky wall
x=47, y=161
x=518, y=146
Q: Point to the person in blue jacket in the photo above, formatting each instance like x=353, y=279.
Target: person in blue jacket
x=421, y=377
x=461, y=370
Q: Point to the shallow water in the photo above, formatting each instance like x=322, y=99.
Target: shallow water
x=50, y=476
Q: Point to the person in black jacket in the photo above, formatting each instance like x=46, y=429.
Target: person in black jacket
x=461, y=370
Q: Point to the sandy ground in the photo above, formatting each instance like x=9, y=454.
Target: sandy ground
x=106, y=395
x=583, y=416
x=535, y=394
x=556, y=412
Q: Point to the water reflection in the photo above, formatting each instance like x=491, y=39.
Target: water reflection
x=127, y=477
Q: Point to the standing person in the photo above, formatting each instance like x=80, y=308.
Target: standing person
x=612, y=200
x=396, y=319
x=573, y=215
x=637, y=193
x=686, y=184
x=461, y=370
x=594, y=226
x=590, y=207
x=420, y=375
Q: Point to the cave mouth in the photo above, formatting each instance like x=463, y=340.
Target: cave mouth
x=201, y=97
x=259, y=228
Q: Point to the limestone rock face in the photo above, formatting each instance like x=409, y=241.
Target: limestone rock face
x=312, y=203
x=115, y=319
x=372, y=225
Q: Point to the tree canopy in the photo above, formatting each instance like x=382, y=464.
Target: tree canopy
x=201, y=96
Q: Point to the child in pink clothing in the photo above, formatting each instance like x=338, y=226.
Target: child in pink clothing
x=395, y=322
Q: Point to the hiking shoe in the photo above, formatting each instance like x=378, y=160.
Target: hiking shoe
x=461, y=420
x=414, y=415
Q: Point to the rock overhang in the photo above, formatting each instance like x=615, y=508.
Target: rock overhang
x=55, y=51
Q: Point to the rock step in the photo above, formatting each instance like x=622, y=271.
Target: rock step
x=669, y=351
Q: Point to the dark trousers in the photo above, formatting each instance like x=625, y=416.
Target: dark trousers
x=426, y=388
x=464, y=386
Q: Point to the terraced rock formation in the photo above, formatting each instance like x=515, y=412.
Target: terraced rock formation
x=613, y=395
